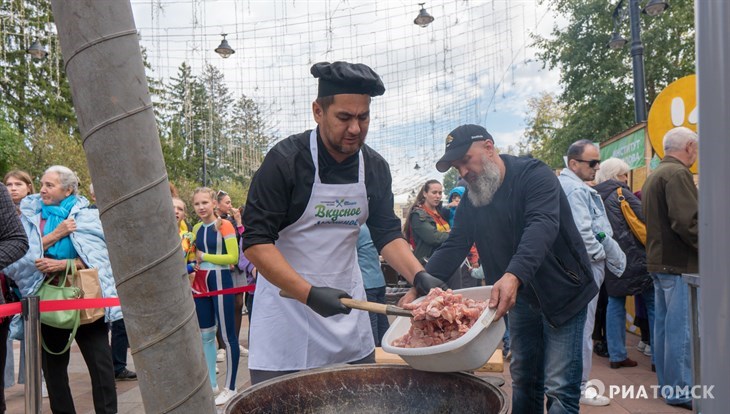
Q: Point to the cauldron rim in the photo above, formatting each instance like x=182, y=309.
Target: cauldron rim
x=501, y=395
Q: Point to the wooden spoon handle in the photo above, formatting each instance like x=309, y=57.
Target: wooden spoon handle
x=366, y=306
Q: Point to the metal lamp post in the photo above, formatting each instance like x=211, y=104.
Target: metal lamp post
x=653, y=8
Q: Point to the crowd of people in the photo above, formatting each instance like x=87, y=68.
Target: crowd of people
x=60, y=225
x=319, y=213
x=565, y=238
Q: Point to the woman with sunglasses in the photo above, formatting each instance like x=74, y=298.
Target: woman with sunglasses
x=226, y=211
x=589, y=214
x=216, y=250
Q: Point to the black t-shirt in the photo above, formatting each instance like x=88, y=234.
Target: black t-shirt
x=282, y=186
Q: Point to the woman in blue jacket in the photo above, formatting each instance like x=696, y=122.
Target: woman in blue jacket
x=61, y=227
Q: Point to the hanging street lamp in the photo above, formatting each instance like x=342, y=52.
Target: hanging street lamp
x=224, y=49
x=36, y=51
x=423, y=19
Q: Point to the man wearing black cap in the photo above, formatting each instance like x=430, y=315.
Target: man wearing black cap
x=515, y=211
x=303, y=215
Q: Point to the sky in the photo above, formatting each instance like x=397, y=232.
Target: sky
x=473, y=64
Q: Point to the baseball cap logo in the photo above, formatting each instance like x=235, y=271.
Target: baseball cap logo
x=449, y=139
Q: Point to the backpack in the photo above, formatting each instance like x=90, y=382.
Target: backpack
x=638, y=228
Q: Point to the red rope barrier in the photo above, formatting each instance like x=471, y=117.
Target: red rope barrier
x=71, y=304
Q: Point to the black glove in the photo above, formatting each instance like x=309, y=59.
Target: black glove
x=326, y=301
x=424, y=282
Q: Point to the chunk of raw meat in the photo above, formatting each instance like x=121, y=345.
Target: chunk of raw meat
x=442, y=316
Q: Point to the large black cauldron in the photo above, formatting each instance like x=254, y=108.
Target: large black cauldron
x=361, y=389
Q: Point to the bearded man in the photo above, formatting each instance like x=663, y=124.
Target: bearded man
x=517, y=214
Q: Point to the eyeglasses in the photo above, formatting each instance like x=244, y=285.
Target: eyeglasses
x=591, y=163
x=220, y=193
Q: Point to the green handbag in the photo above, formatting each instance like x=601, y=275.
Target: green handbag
x=68, y=319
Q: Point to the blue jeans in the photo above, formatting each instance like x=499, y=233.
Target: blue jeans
x=599, y=274
x=378, y=322
x=505, y=337
x=616, y=324
x=9, y=374
x=671, y=341
x=546, y=361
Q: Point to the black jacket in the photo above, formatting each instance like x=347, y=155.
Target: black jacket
x=635, y=278
x=527, y=230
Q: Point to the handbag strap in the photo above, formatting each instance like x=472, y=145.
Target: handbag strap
x=71, y=337
x=56, y=275
x=70, y=269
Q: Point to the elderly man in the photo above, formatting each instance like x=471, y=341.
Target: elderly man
x=590, y=218
x=670, y=207
x=305, y=207
x=520, y=220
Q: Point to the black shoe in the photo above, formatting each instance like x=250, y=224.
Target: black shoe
x=601, y=349
x=125, y=375
x=628, y=362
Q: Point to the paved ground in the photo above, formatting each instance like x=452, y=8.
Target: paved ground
x=130, y=400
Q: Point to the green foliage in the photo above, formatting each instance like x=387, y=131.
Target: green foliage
x=32, y=90
x=544, y=118
x=597, y=83
x=182, y=126
x=451, y=177
x=51, y=145
x=217, y=125
x=198, y=118
x=11, y=145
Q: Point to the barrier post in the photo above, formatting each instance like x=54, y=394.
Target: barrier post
x=32, y=327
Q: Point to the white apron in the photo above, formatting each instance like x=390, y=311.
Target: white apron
x=321, y=246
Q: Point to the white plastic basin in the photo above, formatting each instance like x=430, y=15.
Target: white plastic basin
x=469, y=352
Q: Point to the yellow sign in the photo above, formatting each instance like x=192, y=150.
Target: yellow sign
x=675, y=106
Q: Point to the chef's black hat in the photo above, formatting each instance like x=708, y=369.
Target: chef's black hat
x=346, y=78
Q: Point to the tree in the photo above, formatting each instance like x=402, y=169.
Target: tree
x=450, y=179
x=544, y=118
x=11, y=146
x=597, y=82
x=52, y=145
x=182, y=126
x=249, y=137
x=32, y=89
x=217, y=124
